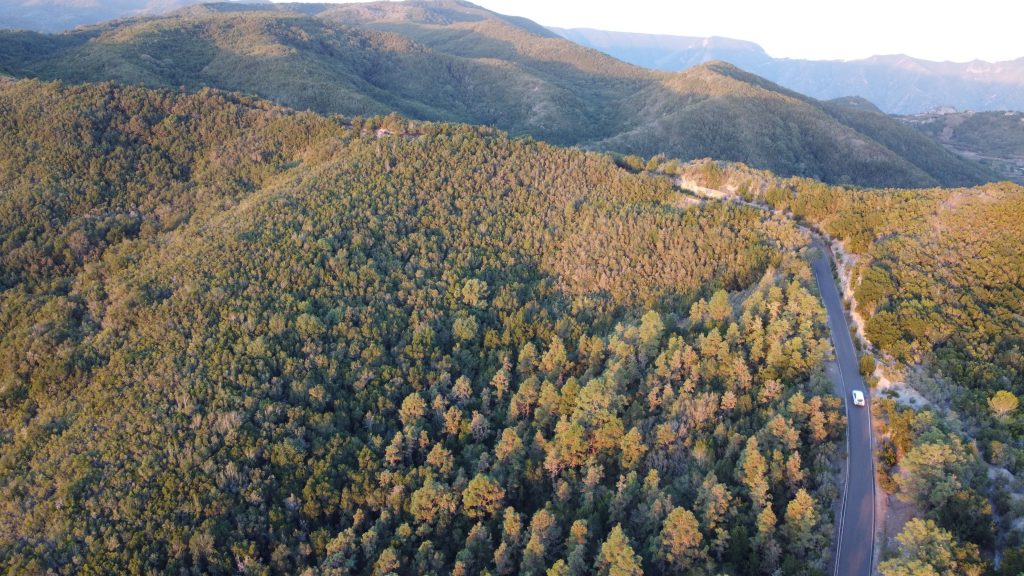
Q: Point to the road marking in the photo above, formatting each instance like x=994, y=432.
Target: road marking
x=830, y=259
x=846, y=407
x=867, y=402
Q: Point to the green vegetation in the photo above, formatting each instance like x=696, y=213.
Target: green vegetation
x=235, y=337
x=240, y=339
x=989, y=133
x=452, y=61
x=927, y=549
x=940, y=281
x=925, y=461
x=1003, y=403
x=994, y=138
x=939, y=276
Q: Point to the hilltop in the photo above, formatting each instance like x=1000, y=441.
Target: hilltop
x=454, y=61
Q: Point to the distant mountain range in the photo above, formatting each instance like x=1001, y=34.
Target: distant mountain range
x=896, y=84
x=60, y=15
x=453, y=61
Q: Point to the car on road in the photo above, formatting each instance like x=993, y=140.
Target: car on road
x=858, y=398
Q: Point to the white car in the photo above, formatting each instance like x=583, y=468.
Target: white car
x=858, y=398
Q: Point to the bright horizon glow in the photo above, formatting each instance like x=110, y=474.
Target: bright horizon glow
x=807, y=29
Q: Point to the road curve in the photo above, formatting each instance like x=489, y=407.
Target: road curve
x=856, y=522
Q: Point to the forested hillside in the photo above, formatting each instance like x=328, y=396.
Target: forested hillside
x=453, y=61
x=239, y=339
x=994, y=138
x=940, y=282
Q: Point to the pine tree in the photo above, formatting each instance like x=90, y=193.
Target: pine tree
x=482, y=497
x=617, y=557
x=681, y=540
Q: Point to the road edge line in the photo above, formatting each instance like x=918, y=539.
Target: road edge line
x=846, y=408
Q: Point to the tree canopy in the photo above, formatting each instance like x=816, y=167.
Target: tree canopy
x=237, y=338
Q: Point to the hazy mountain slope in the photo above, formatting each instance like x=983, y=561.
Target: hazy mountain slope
x=994, y=138
x=239, y=339
x=948, y=169
x=667, y=52
x=897, y=84
x=308, y=62
x=58, y=15
x=905, y=85
x=855, y=103
x=455, y=61
x=730, y=114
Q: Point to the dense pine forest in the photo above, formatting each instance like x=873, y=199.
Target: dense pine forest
x=235, y=338
x=940, y=282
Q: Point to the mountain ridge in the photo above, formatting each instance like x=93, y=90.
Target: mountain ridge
x=454, y=61
x=61, y=15
x=897, y=83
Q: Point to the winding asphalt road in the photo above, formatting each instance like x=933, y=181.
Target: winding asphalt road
x=856, y=520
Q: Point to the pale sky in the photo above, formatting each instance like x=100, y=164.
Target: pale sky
x=813, y=29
